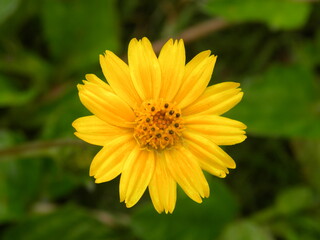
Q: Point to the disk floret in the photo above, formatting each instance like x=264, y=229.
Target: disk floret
x=158, y=124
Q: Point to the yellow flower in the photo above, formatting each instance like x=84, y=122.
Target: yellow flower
x=158, y=123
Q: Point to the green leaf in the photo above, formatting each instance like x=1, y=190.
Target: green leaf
x=12, y=96
x=301, y=226
x=189, y=220
x=7, y=7
x=294, y=200
x=282, y=102
x=58, y=180
x=278, y=14
x=245, y=230
x=9, y=138
x=308, y=51
x=22, y=77
x=19, y=185
x=68, y=223
x=308, y=154
x=78, y=31
x=59, y=115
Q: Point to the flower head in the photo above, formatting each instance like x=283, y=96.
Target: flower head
x=158, y=123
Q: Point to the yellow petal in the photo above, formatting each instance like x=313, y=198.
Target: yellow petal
x=221, y=130
x=200, y=57
x=162, y=187
x=225, y=140
x=136, y=175
x=172, y=60
x=217, y=99
x=187, y=172
x=108, y=163
x=207, y=161
x=196, y=78
x=99, y=140
x=118, y=75
x=94, y=79
x=95, y=131
x=218, y=131
x=94, y=125
x=213, y=120
x=106, y=105
x=144, y=69
x=208, y=150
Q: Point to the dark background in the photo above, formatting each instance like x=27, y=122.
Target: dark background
x=271, y=47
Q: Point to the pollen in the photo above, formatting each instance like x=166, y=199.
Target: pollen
x=159, y=125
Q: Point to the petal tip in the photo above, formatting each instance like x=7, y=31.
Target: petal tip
x=91, y=171
x=101, y=59
x=243, y=126
x=80, y=86
x=88, y=75
x=74, y=123
x=145, y=39
x=98, y=180
x=133, y=41
x=206, y=53
x=130, y=204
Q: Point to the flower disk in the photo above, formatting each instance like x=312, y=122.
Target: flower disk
x=158, y=123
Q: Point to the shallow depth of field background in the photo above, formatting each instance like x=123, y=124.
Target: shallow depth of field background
x=271, y=47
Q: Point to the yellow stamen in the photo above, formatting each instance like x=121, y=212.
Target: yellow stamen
x=158, y=124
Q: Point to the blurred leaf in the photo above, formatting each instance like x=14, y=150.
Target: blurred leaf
x=59, y=181
x=128, y=7
x=282, y=102
x=261, y=162
x=308, y=154
x=294, y=200
x=22, y=78
x=278, y=14
x=9, y=138
x=182, y=21
x=301, y=226
x=59, y=115
x=11, y=96
x=284, y=230
x=308, y=51
x=78, y=31
x=25, y=64
x=189, y=220
x=19, y=184
x=68, y=223
x=245, y=230
x=308, y=226
x=7, y=7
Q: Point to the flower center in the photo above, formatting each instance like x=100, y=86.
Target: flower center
x=158, y=124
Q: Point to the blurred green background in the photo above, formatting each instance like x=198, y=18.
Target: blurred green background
x=271, y=47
